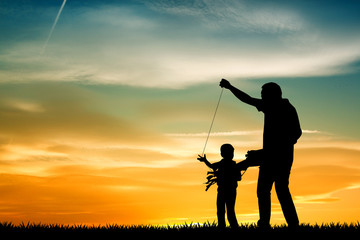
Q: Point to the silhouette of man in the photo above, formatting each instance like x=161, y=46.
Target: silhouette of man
x=281, y=132
x=227, y=177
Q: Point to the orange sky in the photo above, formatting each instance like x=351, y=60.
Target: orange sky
x=75, y=163
x=323, y=191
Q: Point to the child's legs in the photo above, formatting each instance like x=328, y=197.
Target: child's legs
x=230, y=207
x=220, y=204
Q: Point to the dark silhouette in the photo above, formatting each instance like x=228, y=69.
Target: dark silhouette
x=281, y=132
x=227, y=174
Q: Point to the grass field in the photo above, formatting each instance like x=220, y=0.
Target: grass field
x=192, y=229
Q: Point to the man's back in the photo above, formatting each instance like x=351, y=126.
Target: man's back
x=281, y=125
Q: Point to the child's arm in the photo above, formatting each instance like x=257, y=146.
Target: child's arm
x=203, y=159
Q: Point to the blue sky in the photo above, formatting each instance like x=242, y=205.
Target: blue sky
x=180, y=44
x=191, y=41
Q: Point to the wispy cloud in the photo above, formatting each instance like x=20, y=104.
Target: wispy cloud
x=53, y=26
x=231, y=133
x=233, y=14
x=23, y=105
x=316, y=199
x=216, y=134
x=182, y=44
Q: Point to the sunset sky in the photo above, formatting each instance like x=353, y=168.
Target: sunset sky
x=102, y=114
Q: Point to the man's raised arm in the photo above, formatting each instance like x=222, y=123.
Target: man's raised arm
x=240, y=94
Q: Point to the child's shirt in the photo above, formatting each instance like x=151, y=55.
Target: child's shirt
x=228, y=173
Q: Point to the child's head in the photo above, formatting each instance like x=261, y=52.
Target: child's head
x=227, y=151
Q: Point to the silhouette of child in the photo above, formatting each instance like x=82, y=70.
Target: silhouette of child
x=228, y=173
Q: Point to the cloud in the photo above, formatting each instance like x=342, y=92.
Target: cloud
x=171, y=68
x=34, y=117
x=322, y=184
x=320, y=175
x=53, y=26
x=215, y=134
x=18, y=104
x=311, y=131
x=237, y=15
x=64, y=199
x=231, y=133
x=173, y=46
x=84, y=194
x=317, y=199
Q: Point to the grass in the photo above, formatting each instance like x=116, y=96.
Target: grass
x=206, y=229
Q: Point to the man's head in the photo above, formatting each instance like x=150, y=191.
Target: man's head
x=271, y=92
x=227, y=151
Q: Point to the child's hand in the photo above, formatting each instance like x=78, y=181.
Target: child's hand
x=202, y=159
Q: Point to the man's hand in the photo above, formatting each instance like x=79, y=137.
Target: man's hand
x=251, y=154
x=255, y=157
x=225, y=83
x=202, y=159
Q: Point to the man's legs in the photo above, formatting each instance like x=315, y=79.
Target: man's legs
x=264, y=186
x=285, y=199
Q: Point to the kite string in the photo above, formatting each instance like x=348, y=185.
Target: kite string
x=212, y=122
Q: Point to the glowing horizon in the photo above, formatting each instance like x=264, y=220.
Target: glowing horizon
x=105, y=126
